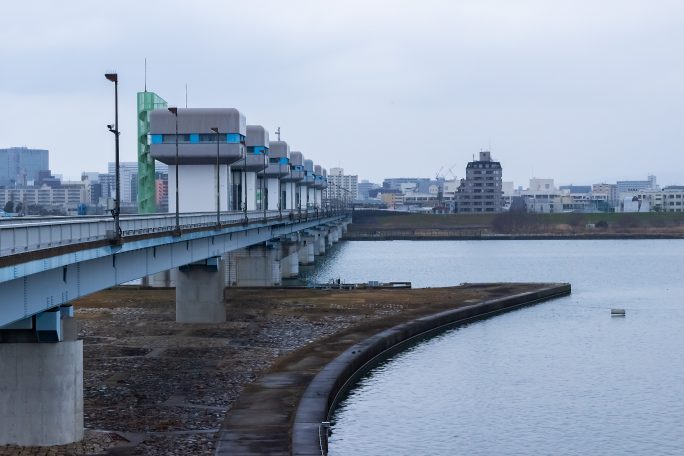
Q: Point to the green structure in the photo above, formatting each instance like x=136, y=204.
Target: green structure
x=147, y=188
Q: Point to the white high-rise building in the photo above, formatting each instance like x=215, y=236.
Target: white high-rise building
x=128, y=176
x=342, y=186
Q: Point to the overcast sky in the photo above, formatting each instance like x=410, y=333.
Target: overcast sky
x=582, y=91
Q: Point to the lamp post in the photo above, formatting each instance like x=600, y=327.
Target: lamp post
x=292, y=192
x=174, y=111
x=299, y=203
x=264, y=200
x=244, y=190
x=280, y=191
x=113, y=77
x=218, y=179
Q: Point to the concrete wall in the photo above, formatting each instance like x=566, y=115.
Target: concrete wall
x=197, y=188
x=290, y=189
x=272, y=184
x=251, y=187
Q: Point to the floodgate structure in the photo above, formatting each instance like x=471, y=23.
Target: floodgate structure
x=243, y=211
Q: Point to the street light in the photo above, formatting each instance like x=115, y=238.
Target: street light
x=174, y=111
x=263, y=185
x=292, y=191
x=280, y=191
x=244, y=189
x=218, y=179
x=113, y=77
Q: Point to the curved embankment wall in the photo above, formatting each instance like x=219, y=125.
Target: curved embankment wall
x=308, y=434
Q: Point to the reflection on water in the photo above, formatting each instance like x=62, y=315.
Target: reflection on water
x=563, y=377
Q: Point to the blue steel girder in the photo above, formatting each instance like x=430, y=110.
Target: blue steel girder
x=35, y=286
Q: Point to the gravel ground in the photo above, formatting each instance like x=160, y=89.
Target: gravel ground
x=156, y=387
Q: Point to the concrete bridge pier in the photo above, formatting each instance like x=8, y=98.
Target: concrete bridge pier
x=199, y=292
x=256, y=266
x=306, y=249
x=164, y=279
x=289, y=264
x=41, y=380
x=331, y=238
x=319, y=246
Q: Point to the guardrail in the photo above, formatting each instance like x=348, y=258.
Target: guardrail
x=29, y=234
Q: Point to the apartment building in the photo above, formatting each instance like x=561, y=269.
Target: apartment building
x=481, y=190
x=342, y=186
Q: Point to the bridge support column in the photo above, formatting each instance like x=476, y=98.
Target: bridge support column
x=256, y=266
x=319, y=247
x=164, y=279
x=306, y=250
x=199, y=293
x=329, y=237
x=41, y=393
x=289, y=264
x=41, y=380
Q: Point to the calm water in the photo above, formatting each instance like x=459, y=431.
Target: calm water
x=559, y=378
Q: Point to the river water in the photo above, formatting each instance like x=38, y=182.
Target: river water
x=559, y=378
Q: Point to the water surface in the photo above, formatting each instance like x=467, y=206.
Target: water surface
x=561, y=377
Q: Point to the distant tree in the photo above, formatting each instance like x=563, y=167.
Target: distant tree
x=601, y=224
x=9, y=206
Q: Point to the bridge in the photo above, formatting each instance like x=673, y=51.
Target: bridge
x=247, y=212
x=46, y=263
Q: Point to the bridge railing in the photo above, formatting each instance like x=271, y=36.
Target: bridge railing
x=30, y=234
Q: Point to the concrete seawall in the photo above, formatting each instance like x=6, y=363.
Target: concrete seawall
x=281, y=413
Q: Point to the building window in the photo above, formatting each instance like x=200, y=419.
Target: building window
x=234, y=138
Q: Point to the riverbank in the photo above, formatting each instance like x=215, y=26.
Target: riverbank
x=156, y=387
x=387, y=225
x=449, y=235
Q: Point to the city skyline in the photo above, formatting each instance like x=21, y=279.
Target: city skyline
x=450, y=175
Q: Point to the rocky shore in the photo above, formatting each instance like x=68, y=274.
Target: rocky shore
x=156, y=387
